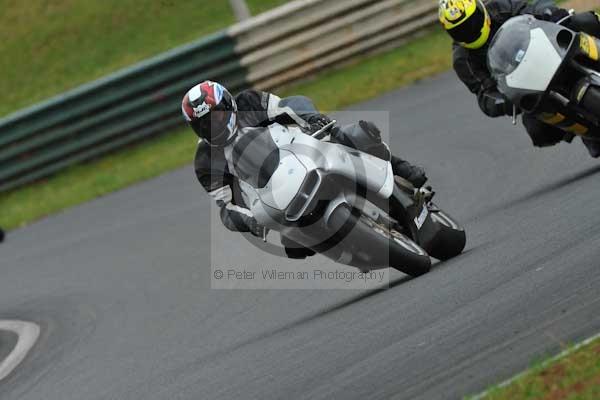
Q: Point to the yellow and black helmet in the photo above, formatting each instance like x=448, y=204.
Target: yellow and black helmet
x=467, y=21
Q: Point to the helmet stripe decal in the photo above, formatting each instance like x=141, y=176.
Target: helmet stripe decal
x=195, y=93
x=186, y=109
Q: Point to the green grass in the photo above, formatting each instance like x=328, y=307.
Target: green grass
x=87, y=181
x=576, y=376
x=331, y=91
x=48, y=47
x=259, y=6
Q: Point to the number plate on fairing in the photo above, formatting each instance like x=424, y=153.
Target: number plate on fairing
x=420, y=220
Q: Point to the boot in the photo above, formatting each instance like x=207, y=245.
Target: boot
x=593, y=147
x=412, y=173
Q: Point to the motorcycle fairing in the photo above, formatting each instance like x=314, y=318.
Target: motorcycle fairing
x=285, y=182
x=531, y=74
x=366, y=170
x=515, y=53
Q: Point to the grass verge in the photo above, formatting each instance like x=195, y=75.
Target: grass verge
x=575, y=376
x=48, y=47
x=360, y=81
x=260, y=6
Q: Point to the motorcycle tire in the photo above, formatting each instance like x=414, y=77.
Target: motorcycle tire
x=404, y=254
x=450, y=240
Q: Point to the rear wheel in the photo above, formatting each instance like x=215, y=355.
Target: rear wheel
x=450, y=240
x=404, y=254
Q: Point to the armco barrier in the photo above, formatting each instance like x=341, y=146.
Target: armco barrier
x=265, y=52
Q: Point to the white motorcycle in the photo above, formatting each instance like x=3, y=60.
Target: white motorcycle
x=340, y=201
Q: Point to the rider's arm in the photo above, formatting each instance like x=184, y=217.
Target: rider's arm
x=258, y=108
x=588, y=22
x=477, y=78
x=502, y=10
x=217, y=181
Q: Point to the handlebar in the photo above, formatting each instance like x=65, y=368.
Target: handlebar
x=321, y=133
x=565, y=19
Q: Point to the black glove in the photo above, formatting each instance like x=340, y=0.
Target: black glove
x=371, y=129
x=495, y=104
x=412, y=173
x=255, y=228
x=318, y=121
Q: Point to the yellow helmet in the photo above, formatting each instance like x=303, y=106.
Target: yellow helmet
x=467, y=21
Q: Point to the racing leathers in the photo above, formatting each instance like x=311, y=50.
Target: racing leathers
x=471, y=65
x=261, y=109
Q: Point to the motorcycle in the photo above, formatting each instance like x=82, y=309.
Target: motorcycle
x=549, y=71
x=340, y=201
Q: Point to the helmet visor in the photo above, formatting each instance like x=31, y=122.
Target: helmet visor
x=469, y=30
x=214, y=126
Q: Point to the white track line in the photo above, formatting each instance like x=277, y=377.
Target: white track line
x=543, y=365
x=27, y=333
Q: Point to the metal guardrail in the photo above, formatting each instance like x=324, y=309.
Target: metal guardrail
x=317, y=34
x=265, y=52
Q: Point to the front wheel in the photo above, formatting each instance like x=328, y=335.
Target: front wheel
x=404, y=254
x=451, y=239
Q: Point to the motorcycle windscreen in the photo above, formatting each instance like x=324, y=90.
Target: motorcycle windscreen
x=522, y=56
x=255, y=156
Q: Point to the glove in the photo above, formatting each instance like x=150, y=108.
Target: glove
x=255, y=228
x=495, y=104
x=371, y=129
x=318, y=121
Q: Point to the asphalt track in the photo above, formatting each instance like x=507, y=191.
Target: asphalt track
x=120, y=286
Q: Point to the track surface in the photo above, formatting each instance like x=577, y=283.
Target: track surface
x=120, y=286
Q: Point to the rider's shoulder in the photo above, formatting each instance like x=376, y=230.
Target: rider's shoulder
x=461, y=54
x=251, y=100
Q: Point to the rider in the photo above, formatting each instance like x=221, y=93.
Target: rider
x=472, y=24
x=217, y=118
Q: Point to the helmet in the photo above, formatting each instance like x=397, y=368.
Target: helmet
x=211, y=111
x=467, y=21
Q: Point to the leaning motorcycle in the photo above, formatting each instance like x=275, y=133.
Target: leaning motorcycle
x=340, y=201
x=549, y=71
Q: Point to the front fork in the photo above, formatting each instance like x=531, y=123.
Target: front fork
x=412, y=207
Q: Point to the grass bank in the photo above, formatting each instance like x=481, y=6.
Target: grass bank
x=574, y=376
x=331, y=91
x=48, y=47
